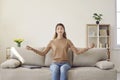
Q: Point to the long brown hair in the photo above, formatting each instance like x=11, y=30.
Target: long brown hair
x=64, y=34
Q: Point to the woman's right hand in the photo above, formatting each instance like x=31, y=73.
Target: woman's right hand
x=92, y=45
x=29, y=48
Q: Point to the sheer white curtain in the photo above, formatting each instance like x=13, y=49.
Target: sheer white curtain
x=118, y=22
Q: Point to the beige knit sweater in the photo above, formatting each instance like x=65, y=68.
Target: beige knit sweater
x=60, y=49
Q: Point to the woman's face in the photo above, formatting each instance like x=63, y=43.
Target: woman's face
x=60, y=30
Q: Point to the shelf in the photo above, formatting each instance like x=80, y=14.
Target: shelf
x=99, y=35
x=93, y=36
x=104, y=36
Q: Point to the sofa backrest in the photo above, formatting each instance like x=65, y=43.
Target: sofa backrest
x=28, y=57
x=90, y=57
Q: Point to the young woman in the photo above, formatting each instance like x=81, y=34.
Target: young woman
x=60, y=45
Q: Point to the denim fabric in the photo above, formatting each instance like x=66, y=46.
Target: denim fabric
x=59, y=70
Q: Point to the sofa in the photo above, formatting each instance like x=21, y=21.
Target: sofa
x=26, y=65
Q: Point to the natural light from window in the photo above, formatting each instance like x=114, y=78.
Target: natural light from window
x=118, y=22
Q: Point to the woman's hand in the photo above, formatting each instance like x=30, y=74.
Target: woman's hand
x=29, y=48
x=92, y=46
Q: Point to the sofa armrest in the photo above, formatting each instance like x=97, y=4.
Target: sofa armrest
x=104, y=65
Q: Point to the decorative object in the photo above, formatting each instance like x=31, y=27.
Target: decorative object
x=8, y=52
x=105, y=65
x=97, y=17
x=103, y=32
x=19, y=41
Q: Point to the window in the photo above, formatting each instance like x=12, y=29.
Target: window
x=118, y=22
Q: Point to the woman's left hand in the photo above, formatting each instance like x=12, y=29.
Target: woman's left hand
x=92, y=45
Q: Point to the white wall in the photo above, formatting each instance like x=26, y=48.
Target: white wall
x=34, y=20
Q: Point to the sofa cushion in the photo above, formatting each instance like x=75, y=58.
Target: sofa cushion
x=25, y=74
x=27, y=57
x=91, y=73
x=10, y=63
x=105, y=65
x=48, y=57
x=90, y=57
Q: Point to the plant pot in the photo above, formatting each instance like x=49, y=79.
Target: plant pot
x=19, y=44
x=97, y=22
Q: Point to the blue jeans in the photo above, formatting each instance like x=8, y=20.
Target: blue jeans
x=59, y=70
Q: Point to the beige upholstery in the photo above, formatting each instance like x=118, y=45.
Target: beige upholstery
x=25, y=74
x=91, y=73
x=79, y=73
x=48, y=58
x=10, y=63
x=29, y=57
x=90, y=57
x=88, y=72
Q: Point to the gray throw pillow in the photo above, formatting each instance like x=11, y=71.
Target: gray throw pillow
x=104, y=65
x=10, y=63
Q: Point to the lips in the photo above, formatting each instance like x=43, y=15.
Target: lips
x=60, y=32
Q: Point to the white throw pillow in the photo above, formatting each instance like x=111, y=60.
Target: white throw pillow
x=27, y=57
x=10, y=63
x=105, y=65
x=16, y=54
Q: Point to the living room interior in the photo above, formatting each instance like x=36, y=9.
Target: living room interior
x=35, y=21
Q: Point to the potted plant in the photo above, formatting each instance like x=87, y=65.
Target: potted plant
x=97, y=17
x=19, y=41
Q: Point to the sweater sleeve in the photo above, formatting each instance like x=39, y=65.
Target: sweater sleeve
x=76, y=50
x=73, y=48
x=45, y=51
